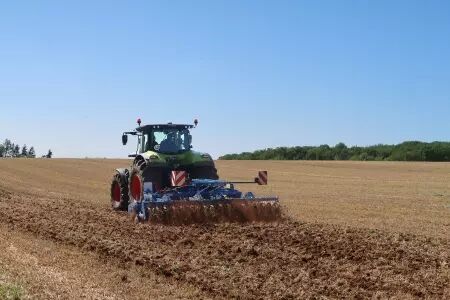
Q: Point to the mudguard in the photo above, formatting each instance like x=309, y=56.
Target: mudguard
x=124, y=174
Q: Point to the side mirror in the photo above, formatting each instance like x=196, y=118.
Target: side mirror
x=124, y=139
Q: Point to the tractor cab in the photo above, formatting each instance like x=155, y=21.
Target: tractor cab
x=162, y=138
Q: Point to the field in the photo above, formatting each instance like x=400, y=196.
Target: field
x=350, y=230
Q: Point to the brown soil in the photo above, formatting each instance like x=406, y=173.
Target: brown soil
x=50, y=270
x=283, y=260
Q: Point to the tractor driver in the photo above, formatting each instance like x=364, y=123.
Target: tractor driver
x=170, y=143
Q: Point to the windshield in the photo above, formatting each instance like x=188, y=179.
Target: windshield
x=171, y=140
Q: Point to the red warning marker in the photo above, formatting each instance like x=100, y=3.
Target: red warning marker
x=178, y=178
x=262, y=178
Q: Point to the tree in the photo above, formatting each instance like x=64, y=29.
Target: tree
x=8, y=146
x=340, y=152
x=31, y=153
x=16, y=151
x=10, y=152
x=2, y=150
x=49, y=154
x=24, y=152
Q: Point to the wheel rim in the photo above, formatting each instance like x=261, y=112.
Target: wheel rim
x=136, y=187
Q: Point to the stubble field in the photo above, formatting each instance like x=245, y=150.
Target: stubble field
x=350, y=230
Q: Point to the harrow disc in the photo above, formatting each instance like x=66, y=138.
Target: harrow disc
x=231, y=210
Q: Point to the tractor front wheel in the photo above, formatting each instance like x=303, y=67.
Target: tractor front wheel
x=119, y=192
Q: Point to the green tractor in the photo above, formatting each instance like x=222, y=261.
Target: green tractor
x=161, y=149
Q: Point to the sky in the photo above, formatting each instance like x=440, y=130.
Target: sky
x=75, y=74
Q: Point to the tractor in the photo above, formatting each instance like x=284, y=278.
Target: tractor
x=168, y=182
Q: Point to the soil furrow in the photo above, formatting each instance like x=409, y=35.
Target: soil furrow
x=283, y=260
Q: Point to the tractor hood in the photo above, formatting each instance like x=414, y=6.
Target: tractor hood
x=179, y=159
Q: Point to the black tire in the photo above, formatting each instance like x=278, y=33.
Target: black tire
x=204, y=172
x=136, y=182
x=141, y=173
x=119, y=192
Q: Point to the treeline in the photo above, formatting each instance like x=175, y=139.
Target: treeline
x=407, y=151
x=10, y=149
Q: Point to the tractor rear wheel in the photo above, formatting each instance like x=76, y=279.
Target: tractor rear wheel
x=119, y=192
x=136, y=184
x=140, y=173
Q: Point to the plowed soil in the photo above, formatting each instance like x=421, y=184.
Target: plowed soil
x=61, y=240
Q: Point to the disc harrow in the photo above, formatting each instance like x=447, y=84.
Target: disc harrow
x=204, y=201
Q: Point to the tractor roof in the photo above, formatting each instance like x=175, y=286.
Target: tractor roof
x=149, y=127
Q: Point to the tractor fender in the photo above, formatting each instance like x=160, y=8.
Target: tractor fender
x=124, y=174
x=144, y=155
x=141, y=160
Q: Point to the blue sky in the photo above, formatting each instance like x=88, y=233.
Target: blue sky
x=75, y=74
